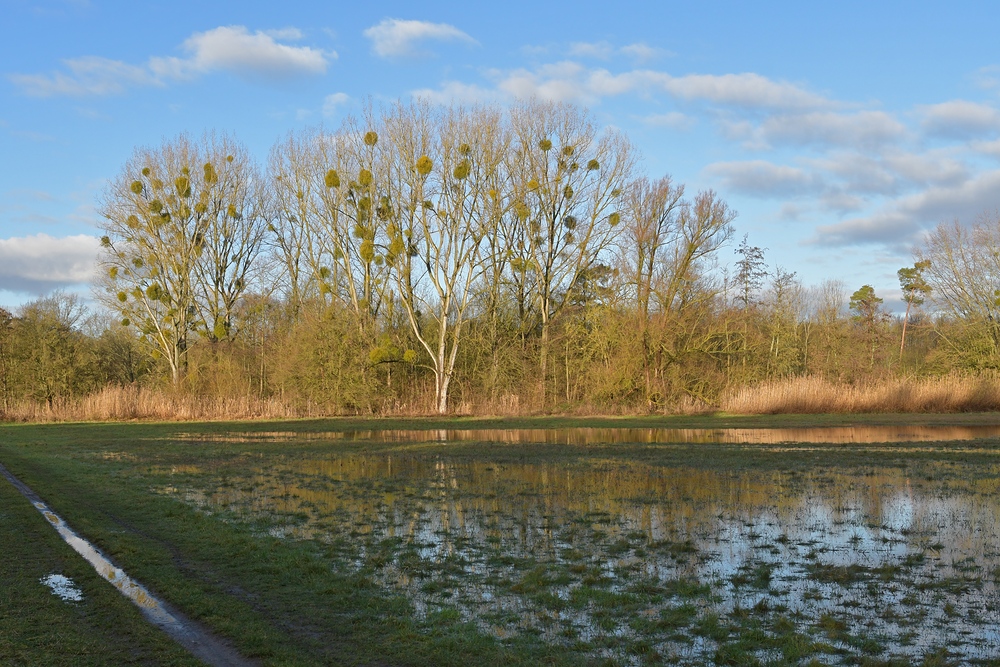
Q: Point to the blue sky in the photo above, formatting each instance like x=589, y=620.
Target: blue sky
x=839, y=132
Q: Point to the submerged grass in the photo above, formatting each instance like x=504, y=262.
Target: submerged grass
x=306, y=550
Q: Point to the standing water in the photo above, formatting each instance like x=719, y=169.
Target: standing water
x=686, y=543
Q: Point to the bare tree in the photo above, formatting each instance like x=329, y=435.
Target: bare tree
x=237, y=209
x=293, y=168
x=703, y=226
x=567, y=183
x=964, y=274
x=653, y=209
x=182, y=229
x=444, y=176
x=664, y=244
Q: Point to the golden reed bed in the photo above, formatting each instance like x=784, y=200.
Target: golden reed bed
x=812, y=395
x=804, y=395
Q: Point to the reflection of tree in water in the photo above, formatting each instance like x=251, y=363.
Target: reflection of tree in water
x=606, y=436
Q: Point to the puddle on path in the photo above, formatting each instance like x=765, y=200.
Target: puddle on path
x=625, y=556
x=602, y=436
x=62, y=587
x=186, y=633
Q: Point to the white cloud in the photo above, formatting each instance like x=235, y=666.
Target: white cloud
x=790, y=211
x=558, y=82
x=41, y=262
x=742, y=90
x=90, y=75
x=331, y=103
x=764, y=179
x=393, y=38
x=892, y=171
x=234, y=49
x=603, y=50
x=987, y=78
x=455, y=92
x=570, y=81
x=599, y=50
x=642, y=52
x=860, y=173
x=990, y=148
x=901, y=221
x=933, y=168
x=227, y=48
x=675, y=120
x=960, y=119
x=842, y=202
x=864, y=128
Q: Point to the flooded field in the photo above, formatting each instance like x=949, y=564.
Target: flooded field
x=644, y=546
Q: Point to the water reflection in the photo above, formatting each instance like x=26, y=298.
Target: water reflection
x=62, y=587
x=600, y=436
x=617, y=554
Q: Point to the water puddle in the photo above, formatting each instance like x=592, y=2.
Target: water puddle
x=626, y=556
x=62, y=587
x=183, y=631
x=604, y=436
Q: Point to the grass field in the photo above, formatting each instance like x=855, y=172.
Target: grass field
x=301, y=547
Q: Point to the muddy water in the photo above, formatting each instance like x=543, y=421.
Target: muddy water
x=882, y=561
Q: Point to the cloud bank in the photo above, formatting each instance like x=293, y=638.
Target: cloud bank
x=39, y=263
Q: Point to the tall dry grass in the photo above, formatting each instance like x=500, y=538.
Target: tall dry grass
x=131, y=403
x=813, y=395
x=116, y=403
x=804, y=395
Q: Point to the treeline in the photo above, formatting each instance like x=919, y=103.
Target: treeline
x=484, y=259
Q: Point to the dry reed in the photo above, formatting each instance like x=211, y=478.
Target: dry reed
x=115, y=403
x=813, y=395
x=804, y=395
x=131, y=403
